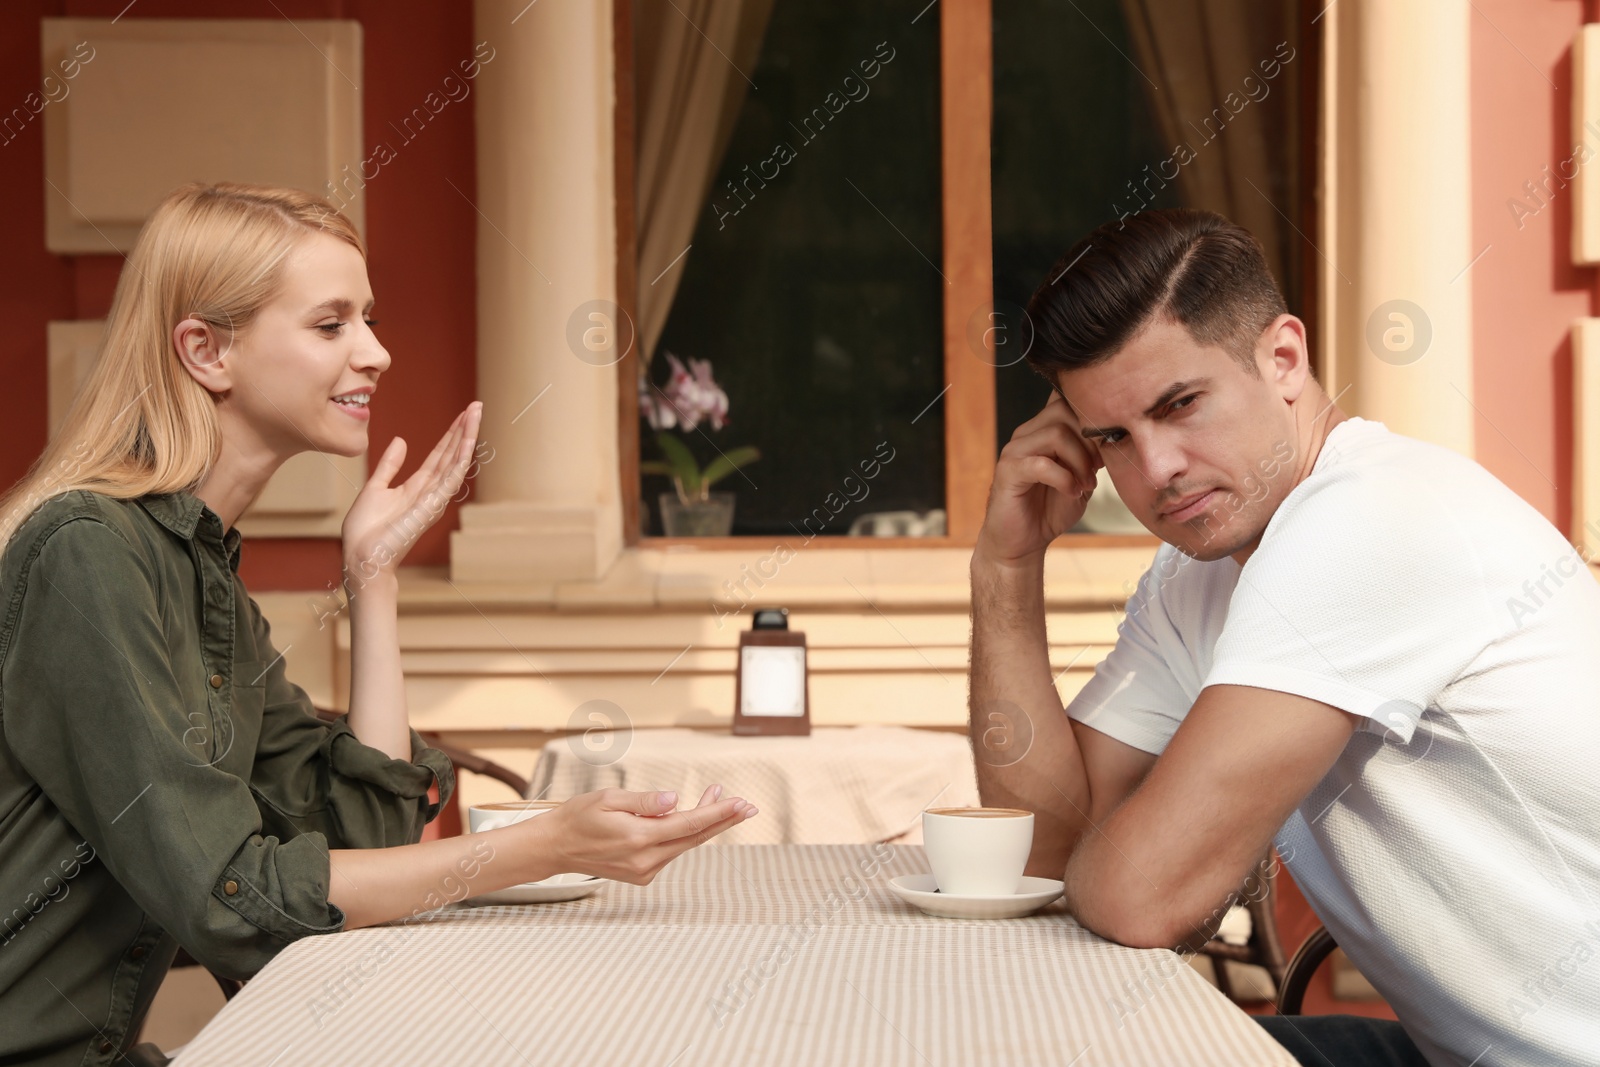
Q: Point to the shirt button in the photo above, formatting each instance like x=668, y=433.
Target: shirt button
x=216, y=681
x=230, y=887
x=136, y=953
x=105, y=1046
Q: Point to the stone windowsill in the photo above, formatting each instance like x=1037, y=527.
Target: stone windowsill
x=685, y=578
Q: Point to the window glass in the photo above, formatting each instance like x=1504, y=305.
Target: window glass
x=817, y=294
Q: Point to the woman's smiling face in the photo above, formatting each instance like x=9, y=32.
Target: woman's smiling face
x=311, y=344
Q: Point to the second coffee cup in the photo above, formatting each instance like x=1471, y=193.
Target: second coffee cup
x=978, y=852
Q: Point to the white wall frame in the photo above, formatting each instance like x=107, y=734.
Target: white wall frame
x=153, y=103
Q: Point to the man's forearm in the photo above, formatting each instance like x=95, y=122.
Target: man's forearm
x=1022, y=741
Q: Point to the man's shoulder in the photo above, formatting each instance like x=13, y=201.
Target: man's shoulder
x=1390, y=534
x=1367, y=458
x=1385, y=491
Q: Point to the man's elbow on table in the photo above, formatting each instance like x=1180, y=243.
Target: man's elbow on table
x=1129, y=910
x=1129, y=926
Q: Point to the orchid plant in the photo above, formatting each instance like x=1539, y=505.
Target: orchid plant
x=690, y=397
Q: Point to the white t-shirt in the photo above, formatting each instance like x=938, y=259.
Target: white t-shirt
x=1454, y=849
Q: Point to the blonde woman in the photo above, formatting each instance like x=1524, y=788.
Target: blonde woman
x=162, y=782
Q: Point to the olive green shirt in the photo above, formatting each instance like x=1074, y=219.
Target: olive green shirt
x=162, y=783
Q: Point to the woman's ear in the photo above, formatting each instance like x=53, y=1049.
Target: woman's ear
x=201, y=350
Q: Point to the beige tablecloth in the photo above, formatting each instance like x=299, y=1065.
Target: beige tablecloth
x=769, y=955
x=840, y=785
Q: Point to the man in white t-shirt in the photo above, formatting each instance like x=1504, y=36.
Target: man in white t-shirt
x=1357, y=646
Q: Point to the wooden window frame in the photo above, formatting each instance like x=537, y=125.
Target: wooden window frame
x=966, y=97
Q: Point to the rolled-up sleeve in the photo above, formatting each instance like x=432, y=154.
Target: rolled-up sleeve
x=93, y=711
x=317, y=776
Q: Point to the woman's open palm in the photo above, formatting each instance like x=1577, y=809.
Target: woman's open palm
x=386, y=520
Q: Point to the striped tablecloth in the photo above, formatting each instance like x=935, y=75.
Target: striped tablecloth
x=769, y=955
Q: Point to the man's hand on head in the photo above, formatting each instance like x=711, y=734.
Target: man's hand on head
x=1042, y=483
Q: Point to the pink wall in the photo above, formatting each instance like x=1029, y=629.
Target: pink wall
x=1526, y=292
x=420, y=237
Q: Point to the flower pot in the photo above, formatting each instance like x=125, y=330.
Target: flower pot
x=698, y=518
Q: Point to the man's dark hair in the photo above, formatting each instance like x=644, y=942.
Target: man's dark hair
x=1184, y=265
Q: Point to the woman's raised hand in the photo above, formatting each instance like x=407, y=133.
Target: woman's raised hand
x=629, y=837
x=386, y=520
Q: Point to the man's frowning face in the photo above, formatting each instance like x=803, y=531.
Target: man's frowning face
x=1201, y=450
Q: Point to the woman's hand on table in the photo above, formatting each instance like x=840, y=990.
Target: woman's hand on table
x=630, y=837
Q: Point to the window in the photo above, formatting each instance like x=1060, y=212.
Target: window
x=865, y=198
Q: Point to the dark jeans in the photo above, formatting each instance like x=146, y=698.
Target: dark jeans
x=1343, y=1040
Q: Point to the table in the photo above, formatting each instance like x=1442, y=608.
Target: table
x=840, y=785
x=771, y=955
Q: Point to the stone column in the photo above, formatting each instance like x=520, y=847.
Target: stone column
x=1397, y=235
x=547, y=505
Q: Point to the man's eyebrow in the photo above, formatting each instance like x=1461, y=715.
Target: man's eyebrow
x=1171, y=392
x=338, y=303
x=1168, y=395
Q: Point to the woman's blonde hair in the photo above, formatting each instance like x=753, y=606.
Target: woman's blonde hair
x=140, y=423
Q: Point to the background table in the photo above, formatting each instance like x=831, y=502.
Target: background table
x=772, y=955
x=841, y=784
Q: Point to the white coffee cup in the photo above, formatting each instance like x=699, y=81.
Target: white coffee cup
x=482, y=817
x=977, y=852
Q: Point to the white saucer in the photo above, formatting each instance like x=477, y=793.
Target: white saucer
x=921, y=890
x=550, y=891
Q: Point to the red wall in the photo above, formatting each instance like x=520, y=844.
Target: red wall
x=1526, y=292
x=420, y=236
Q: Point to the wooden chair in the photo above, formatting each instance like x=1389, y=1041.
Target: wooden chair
x=449, y=820
x=471, y=761
x=1263, y=949
x=1307, y=958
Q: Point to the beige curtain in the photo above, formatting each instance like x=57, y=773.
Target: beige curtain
x=1198, y=52
x=692, y=59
